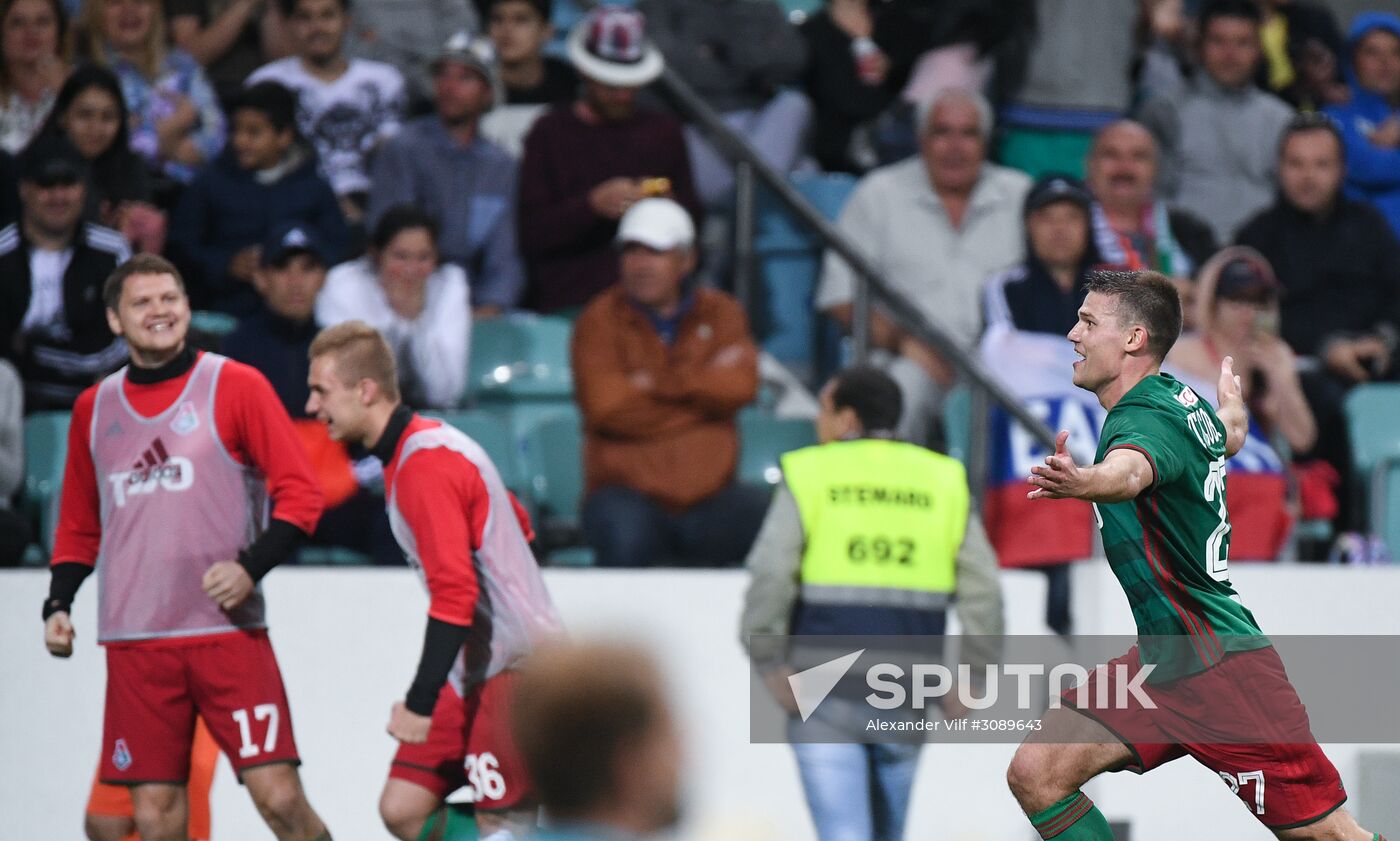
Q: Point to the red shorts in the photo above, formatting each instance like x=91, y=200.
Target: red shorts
x=154, y=690
x=115, y=801
x=469, y=743
x=1241, y=719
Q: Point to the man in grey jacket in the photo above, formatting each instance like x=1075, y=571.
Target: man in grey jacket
x=866, y=536
x=1219, y=133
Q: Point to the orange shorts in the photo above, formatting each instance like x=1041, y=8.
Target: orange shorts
x=115, y=801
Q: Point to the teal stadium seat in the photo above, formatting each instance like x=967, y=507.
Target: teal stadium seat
x=763, y=439
x=790, y=255
x=45, y=451
x=957, y=422
x=552, y=454
x=1371, y=412
x=519, y=369
x=494, y=437
x=216, y=324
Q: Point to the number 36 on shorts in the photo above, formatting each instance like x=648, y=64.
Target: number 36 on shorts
x=484, y=780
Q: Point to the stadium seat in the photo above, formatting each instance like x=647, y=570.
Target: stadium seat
x=790, y=256
x=216, y=324
x=45, y=451
x=957, y=422
x=520, y=357
x=552, y=454
x=763, y=439
x=520, y=369
x=494, y=437
x=332, y=556
x=1371, y=411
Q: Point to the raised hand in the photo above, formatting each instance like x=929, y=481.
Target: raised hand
x=1060, y=477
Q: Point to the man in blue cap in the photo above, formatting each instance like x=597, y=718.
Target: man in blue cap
x=276, y=339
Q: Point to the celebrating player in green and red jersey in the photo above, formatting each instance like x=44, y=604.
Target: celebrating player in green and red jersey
x=1218, y=689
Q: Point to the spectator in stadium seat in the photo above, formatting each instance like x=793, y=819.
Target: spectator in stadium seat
x=406, y=35
x=14, y=531
x=533, y=81
x=737, y=55
x=266, y=177
x=937, y=226
x=91, y=115
x=1077, y=80
x=177, y=123
x=807, y=578
x=1339, y=265
x=441, y=164
x=1043, y=295
x=33, y=64
x=858, y=59
x=1218, y=134
x=276, y=339
x=587, y=162
x=53, y=323
x=1370, y=122
x=347, y=106
x=1303, y=49
x=521, y=29
x=1130, y=227
x=402, y=289
x=1238, y=305
x=599, y=739
x=661, y=369
x=229, y=38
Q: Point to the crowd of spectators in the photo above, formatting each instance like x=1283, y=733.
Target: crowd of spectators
x=310, y=161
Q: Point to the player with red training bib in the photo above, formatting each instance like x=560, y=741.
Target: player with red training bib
x=488, y=606
x=1215, y=689
x=171, y=464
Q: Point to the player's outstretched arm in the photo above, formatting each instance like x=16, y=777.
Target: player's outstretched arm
x=1232, y=411
x=1122, y=475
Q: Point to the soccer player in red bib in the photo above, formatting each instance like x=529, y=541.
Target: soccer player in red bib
x=1217, y=688
x=487, y=603
x=172, y=462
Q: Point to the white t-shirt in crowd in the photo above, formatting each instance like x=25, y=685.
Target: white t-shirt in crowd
x=46, y=269
x=344, y=119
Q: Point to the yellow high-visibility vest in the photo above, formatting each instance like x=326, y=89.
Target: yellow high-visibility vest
x=883, y=521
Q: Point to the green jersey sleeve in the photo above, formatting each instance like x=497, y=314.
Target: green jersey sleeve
x=1151, y=433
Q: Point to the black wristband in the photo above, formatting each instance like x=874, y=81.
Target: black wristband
x=272, y=548
x=442, y=642
x=64, y=581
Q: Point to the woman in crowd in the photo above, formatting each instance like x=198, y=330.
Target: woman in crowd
x=177, y=124
x=419, y=303
x=89, y=111
x=1237, y=315
x=33, y=63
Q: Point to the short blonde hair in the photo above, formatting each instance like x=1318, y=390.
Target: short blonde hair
x=360, y=354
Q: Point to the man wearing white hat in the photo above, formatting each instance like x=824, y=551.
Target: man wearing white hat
x=586, y=162
x=660, y=370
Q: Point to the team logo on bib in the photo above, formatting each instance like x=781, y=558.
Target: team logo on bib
x=121, y=756
x=186, y=419
x=1187, y=398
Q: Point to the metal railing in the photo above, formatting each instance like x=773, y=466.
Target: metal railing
x=873, y=288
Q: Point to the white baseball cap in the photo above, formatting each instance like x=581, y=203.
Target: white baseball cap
x=657, y=223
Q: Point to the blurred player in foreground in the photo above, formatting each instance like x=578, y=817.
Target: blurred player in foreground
x=1158, y=489
x=600, y=741
x=468, y=538
x=111, y=816
x=171, y=462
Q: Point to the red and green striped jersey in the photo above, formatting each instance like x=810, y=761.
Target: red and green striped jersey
x=1170, y=546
